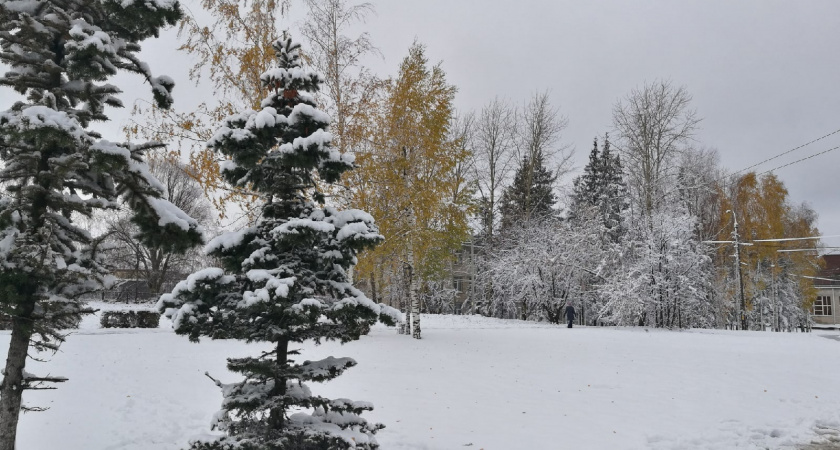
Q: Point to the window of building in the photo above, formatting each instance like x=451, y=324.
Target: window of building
x=822, y=305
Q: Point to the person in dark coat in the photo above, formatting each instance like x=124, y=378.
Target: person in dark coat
x=570, y=313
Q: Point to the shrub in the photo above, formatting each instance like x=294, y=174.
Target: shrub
x=129, y=319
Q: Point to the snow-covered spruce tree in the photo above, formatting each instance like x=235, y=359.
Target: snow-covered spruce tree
x=531, y=195
x=285, y=279
x=602, y=187
x=54, y=168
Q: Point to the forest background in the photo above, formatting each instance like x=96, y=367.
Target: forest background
x=570, y=114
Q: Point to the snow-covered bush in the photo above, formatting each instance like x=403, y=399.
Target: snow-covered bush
x=129, y=319
x=438, y=297
x=538, y=267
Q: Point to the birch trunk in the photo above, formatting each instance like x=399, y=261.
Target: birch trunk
x=405, y=303
x=414, y=299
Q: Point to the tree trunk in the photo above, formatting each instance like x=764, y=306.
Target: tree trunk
x=414, y=299
x=277, y=415
x=373, y=289
x=405, y=299
x=413, y=312
x=11, y=389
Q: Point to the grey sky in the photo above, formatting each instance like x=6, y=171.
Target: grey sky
x=763, y=74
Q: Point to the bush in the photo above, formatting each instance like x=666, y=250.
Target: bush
x=129, y=319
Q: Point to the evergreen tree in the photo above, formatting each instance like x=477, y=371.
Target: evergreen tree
x=54, y=168
x=531, y=195
x=602, y=189
x=285, y=280
x=614, y=199
x=588, y=187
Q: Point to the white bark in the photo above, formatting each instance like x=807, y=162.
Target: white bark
x=414, y=298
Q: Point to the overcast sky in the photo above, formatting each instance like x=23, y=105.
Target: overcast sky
x=764, y=75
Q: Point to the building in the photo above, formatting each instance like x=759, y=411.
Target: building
x=826, y=309
x=463, y=272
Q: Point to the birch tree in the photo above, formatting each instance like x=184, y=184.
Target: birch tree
x=654, y=124
x=349, y=88
x=493, y=147
x=764, y=212
x=230, y=51
x=409, y=179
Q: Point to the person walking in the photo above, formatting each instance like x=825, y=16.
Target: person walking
x=570, y=313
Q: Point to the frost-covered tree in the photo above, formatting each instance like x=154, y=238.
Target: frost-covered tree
x=55, y=168
x=539, y=265
x=285, y=279
x=664, y=275
x=700, y=190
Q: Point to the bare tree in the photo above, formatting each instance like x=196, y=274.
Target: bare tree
x=654, y=124
x=699, y=187
x=461, y=135
x=152, y=263
x=349, y=87
x=539, y=128
x=493, y=145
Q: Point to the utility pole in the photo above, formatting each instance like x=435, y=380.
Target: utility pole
x=760, y=297
x=472, y=274
x=742, y=316
x=775, y=300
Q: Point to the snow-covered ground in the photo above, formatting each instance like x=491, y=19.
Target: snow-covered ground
x=470, y=383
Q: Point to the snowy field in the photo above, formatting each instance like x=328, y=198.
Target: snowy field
x=470, y=383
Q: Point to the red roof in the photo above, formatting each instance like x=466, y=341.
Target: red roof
x=832, y=264
x=830, y=270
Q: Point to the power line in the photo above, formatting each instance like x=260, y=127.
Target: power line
x=807, y=249
x=789, y=151
x=817, y=278
x=799, y=160
x=795, y=239
x=720, y=180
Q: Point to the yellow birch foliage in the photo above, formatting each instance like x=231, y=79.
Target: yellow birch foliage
x=764, y=211
x=410, y=166
x=231, y=50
